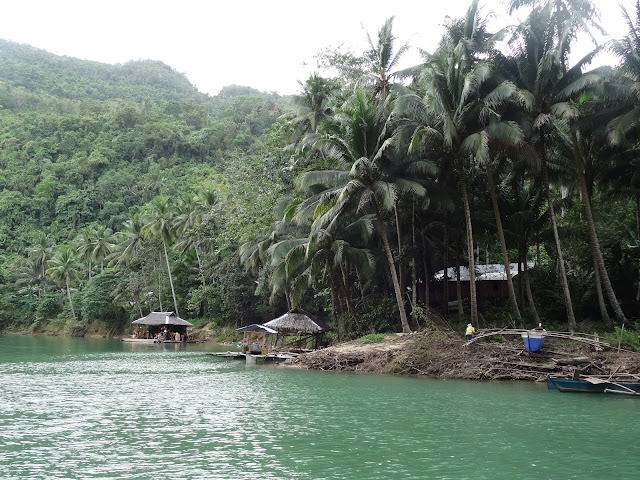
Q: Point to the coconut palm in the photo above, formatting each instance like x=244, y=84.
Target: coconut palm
x=128, y=241
x=86, y=243
x=29, y=276
x=542, y=46
x=40, y=252
x=63, y=268
x=160, y=224
x=361, y=143
x=313, y=104
x=381, y=58
x=458, y=114
x=624, y=128
x=103, y=245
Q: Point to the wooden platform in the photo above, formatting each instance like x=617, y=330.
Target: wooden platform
x=253, y=358
x=152, y=340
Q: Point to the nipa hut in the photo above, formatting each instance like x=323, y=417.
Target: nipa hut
x=257, y=338
x=160, y=322
x=301, y=325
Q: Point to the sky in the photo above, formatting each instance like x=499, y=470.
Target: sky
x=269, y=45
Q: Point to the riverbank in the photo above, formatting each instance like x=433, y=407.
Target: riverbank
x=439, y=354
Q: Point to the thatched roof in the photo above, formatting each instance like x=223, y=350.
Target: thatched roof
x=297, y=321
x=255, y=328
x=162, y=318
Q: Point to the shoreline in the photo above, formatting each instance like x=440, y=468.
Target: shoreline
x=443, y=355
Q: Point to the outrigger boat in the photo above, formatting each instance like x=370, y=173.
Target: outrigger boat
x=592, y=384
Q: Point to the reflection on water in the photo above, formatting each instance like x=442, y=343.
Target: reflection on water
x=82, y=408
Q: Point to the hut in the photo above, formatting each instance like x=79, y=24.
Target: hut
x=302, y=325
x=257, y=339
x=163, y=324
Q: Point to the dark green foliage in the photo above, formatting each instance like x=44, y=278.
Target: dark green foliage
x=98, y=301
x=48, y=307
x=366, y=185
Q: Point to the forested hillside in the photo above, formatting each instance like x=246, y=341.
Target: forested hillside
x=85, y=148
x=124, y=190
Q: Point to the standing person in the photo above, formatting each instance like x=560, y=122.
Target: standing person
x=470, y=331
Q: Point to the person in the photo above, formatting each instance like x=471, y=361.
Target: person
x=470, y=331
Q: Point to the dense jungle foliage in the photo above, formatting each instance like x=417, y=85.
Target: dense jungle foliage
x=125, y=190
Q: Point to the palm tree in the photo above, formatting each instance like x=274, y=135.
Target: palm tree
x=381, y=59
x=543, y=44
x=41, y=252
x=624, y=128
x=313, y=104
x=128, y=241
x=103, y=245
x=503, y=243
x=86, y=243
x=458, y=112
x=63, y=268
x=30, y=275
x=160, y=224
x=361, y=143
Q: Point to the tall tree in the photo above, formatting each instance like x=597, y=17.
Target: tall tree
x=362, y=144
x=63, y=268
x=160, y=224
x=459, y=111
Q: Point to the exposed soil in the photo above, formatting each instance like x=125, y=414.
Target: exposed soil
x=440, y=354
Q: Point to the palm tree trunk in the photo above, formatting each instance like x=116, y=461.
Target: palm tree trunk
x=638, y=217
x=347, y=295
x=532, y=304
x=445, y=259
x=334, y=310
x=503, y=243
x=604, y=315
x=472, y=274
x=593, y=236
x=195, y=247
x=173, y=292
x=414, y=268
x=401, y=276
x=458, y=282
x=394, y=275
x=563, y=273
x=73, y=313
x=522, y=259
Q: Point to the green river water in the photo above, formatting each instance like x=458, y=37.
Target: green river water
x=94, y=408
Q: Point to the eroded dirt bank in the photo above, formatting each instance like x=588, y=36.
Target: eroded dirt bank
x=443, y=355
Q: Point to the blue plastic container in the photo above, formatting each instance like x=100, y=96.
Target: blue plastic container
x=533, y=341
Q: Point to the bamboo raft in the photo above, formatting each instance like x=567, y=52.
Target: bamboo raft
x=576, y=337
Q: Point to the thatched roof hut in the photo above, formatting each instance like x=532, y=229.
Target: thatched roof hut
x=297, y=321
x=300, y=323
x=162, y=318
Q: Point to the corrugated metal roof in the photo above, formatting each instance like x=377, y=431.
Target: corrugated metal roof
x=162, y=318
x=483, y=272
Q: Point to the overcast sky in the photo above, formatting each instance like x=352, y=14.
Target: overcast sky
x=263, y=44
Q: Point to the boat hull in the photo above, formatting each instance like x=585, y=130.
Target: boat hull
x=584, y=386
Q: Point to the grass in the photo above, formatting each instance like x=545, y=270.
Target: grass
x=373, y=338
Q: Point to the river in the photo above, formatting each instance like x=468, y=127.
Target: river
x=95, y=408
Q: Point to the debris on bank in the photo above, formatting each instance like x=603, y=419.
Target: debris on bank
x=440, y=354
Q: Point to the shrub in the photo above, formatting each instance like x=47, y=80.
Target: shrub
x=373, y=338
x=627, y=339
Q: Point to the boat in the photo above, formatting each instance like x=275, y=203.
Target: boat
x=594, y=385
x=533, y=340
